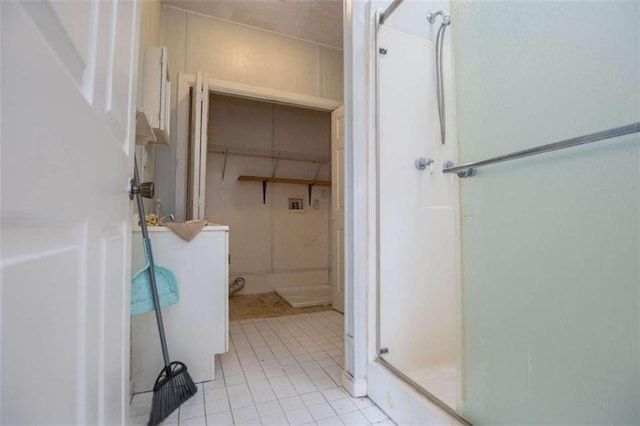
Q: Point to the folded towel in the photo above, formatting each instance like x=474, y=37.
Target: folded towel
x=186, y=230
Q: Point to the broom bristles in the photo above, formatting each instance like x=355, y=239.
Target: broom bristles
x=173, y=387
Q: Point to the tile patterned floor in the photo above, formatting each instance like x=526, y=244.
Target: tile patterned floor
x=278, y=371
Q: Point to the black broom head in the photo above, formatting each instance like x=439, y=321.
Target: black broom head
x=173, y=387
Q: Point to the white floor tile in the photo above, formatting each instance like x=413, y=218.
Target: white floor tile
x=334, y=394
x=285, y=391
x=299, y=417
x=258, y=386
x=324, y=383
x=313, y=398
x=385, y=423
x=321, y=411
x=220, y=419
x=217, y=406
x=331, y=421
x=305, y=387
x=255, y=376
x=236, y=379
x=139, y=420
x=263, y=396
x=291, y=404
x=139, y=409
x=354, y=419
x=194, y=421
x=238, y=391
x=142, y=397
x=241, y=401
x=215, y=394
x=343, y=406
x=191, y=411
x=267, y=409
x=362, y=402
x=272, y=372
x=244, y=414
x=275, y=420
x=215, y=384
x=374, y=414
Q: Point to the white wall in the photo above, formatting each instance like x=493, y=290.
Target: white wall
x=270, y=246
x=550, y=243
x=241, y=54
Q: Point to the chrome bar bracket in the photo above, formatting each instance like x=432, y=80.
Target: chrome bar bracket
x=465, y=173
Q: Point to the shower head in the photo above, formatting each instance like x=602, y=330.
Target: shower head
x=431, y=17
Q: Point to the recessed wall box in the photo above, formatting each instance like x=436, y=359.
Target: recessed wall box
x=156, y=94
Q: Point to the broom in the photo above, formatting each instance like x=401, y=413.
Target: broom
x=173, y=385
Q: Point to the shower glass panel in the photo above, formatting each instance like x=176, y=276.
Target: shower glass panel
x=417, y=232
x=551, y=243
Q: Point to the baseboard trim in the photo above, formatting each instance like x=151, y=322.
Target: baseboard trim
x=356, y=388
x=403, y=403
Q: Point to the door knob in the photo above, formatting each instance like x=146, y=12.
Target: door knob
x=146, y=189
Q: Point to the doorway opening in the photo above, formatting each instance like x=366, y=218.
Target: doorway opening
x=264, y=168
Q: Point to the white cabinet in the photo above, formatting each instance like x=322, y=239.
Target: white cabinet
x=156, y=92
x=197, y=326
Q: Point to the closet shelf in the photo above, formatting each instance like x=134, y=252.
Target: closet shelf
x=264, y=179
x=285, y=180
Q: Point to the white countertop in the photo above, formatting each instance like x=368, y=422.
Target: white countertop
x=165, y=229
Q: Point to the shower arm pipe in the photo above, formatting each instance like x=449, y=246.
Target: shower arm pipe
x=469, y=169
x=389, y=11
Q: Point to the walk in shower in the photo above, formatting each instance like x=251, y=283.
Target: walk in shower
x=508, y=201
x=417, y=210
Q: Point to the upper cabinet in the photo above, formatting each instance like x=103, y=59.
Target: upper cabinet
x=156, y=93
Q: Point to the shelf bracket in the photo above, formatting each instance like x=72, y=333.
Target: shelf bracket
x=315, y=177
x=310, y=192
x=264, y=192
x=224, y=165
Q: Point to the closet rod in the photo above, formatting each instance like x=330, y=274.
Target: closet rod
x=263, y=153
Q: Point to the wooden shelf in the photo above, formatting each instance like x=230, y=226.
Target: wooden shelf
x=264, y=179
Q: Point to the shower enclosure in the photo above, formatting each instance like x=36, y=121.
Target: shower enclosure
x=508, y=199
x=417, y=210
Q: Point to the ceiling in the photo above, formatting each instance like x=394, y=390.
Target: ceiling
x=315, y=20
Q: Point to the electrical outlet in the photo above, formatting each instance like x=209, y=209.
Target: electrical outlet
x=316, y=204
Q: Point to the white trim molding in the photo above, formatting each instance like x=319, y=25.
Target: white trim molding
x=357, y=388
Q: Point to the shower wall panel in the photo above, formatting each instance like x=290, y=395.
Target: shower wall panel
x=417, y=214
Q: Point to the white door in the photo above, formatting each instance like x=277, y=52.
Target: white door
x=198, y=146
x=68, y=74
x=337, y=208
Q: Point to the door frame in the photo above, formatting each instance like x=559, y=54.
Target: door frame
x=225, y=87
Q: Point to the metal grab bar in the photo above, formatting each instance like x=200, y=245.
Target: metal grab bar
x=469, y=169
